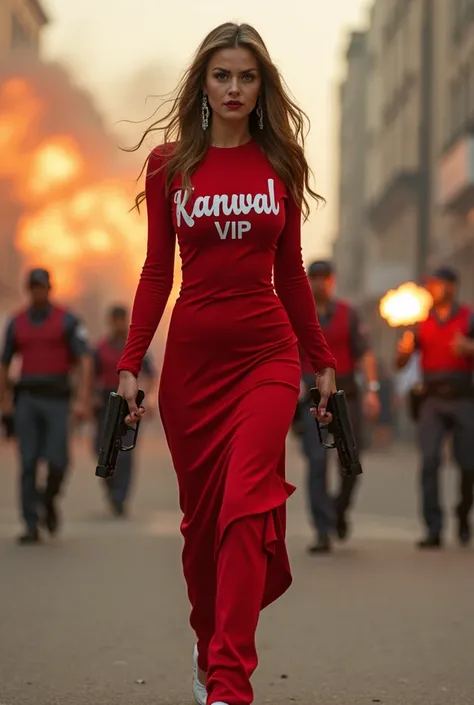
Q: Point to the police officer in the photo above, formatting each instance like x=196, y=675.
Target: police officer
x=107, y=355
x=50, y=341
x=445, y=342
x=349, y=344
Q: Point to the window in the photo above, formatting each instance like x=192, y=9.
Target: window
x=471, y=86
x=461, y=102
x=19, y=36
x=466, y=92
x=396, y=20
x=457, y=107
x=453, y=109
x=455, y=21
x=462, y=14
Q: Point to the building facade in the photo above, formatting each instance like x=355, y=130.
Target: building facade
x=21, y=22
x=419, y=150
x=398, y=145
x=352, y=133
x=453, y=143
x=419, y=154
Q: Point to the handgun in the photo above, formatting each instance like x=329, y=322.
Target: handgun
x=114, y=433
x=340, y=428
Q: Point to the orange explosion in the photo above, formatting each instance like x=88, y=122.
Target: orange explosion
x=74, y=211
x=405, y=306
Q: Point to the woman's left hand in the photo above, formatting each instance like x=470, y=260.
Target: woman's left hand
x=326, y=385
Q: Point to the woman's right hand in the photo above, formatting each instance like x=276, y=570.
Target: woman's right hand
x=128, y=389
x=326, y=385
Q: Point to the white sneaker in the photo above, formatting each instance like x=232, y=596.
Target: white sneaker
x=199, y=690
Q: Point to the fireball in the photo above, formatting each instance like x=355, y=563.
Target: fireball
x=405, y=306
x=71, y=203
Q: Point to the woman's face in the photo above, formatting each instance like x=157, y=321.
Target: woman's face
x=232, y=83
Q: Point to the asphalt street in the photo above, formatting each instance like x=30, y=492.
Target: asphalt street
x=100, y=616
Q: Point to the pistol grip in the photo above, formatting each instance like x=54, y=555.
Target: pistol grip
x=139, y=400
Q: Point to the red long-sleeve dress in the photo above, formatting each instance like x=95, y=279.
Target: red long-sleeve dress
x=230, y=377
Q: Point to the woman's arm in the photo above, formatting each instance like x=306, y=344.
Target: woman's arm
x=293, y=289
x=156, y=279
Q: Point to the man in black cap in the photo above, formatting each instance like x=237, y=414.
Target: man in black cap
x=51, y=342
x=349, y=343
x=445, y=342
x=107, y=354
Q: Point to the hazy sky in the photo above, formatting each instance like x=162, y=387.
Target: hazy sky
x=107, y=43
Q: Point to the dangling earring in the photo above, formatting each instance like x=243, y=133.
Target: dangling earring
x=204, y=112
x=260, y=113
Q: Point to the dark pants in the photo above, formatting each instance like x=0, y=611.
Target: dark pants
x=118, y=486
x=41, y=426
x=324, y=508
x=438, y=417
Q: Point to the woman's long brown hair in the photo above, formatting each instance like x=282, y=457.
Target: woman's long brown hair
x=282, y=139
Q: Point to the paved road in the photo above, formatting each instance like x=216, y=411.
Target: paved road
x=82, y=620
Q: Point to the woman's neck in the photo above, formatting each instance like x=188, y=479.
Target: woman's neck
x=225, y=135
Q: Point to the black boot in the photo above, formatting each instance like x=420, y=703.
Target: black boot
x=117, y=508
x=431, y=541
x=464, y=528
x=342, y=527
x=31, y=536
x=322, y=545
x=50, y=517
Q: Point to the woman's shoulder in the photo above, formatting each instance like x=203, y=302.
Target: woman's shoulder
x=162, y=152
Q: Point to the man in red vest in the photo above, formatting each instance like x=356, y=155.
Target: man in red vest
x=51, y=341
x=350, y=346
x=107, y=355
x=445, y=342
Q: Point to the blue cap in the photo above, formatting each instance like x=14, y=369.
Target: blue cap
x=118, y=311
x=445, y=273
x=321, y=268
x=39, y=276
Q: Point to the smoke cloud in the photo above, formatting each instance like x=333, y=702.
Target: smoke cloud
x=66, y=186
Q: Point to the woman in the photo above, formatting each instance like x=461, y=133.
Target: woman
x=231, y=186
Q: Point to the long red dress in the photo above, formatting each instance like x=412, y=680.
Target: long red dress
x=230, y=377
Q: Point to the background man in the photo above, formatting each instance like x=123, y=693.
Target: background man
x=51, y=342
x=107, y=355
x=445, y=342
x=349, y=343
